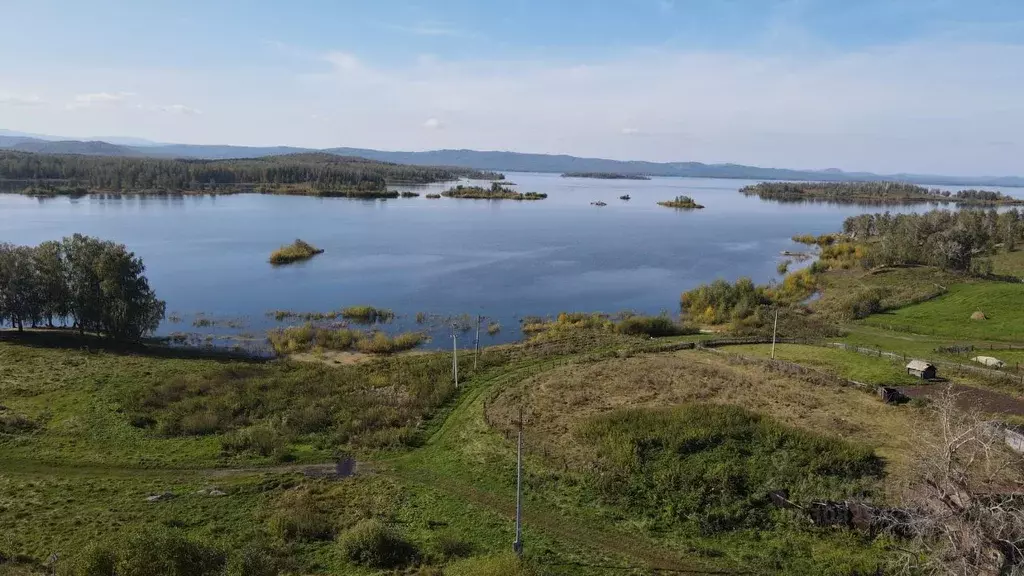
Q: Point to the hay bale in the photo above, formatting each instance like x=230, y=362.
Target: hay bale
x=979, y=315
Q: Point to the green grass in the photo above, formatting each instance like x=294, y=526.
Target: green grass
x=842, y=363
x=1009, y=263
x=949, y=316
x=294, y=252
x=434, y=472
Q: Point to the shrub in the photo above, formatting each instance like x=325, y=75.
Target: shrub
x=256, y=560
x=653, y=326
x=370, y=543
x=719, y=301
x=16, y=424
x=710, y=466
x=451, y=546
x=262, y=440
x=95, y=560
x=167, y=553
x=493, y=328
x=299, y=518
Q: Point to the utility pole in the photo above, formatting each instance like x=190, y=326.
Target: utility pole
x=455, y=355
x=775, y=331
x=476, y=345
x=517, y=546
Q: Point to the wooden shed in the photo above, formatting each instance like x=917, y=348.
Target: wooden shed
x=922, y=369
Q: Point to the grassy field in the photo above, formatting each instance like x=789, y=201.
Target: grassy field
x=850, y=365
x=949, y=316
x=89, y=436
x=1009, y=263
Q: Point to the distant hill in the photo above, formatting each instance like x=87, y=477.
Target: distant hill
x=496, y=161
x=73, y=147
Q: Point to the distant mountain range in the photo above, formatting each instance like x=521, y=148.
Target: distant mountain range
x=498, y=161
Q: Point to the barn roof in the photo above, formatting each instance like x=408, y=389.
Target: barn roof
x=919, y=365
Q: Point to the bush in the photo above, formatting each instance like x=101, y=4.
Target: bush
x=159, y=551
x=653, y=326
x=16, y=424
x=451, y=546
x=256, y=560
x=372, y=544
x=262, y=440
x=710, y=467
x=299, y=518
x=96, y=560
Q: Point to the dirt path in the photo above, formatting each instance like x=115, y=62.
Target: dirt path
x=971, y=398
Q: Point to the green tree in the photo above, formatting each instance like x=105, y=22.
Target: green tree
x=19, y=300
x=51, y=276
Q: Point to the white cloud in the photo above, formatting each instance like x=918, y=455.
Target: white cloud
x=916, y=107
x=432, y=29
x=21, y=100
x=433, y=124
x=177, y=109
x=99, y=99
x=342, y=61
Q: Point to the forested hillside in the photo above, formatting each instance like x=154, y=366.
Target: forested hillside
x=318, y=172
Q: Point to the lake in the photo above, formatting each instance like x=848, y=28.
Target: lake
x=501, y=259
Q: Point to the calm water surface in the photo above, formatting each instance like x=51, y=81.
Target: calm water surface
x=502, y=259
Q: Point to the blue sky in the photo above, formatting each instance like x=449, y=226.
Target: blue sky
x=929, y=85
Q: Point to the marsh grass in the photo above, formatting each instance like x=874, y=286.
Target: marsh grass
x=367, y=314
x=625, y=323
x=294, y=252
x=307, y=337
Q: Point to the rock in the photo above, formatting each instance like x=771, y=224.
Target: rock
x=160, y=497
x=211, y=492
x=979, y=315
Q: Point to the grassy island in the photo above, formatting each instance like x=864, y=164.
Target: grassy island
x=433, y=196
x=880, y=193
x=294, y=252
x=495, y=192
x=682, y=203
x=606, y=176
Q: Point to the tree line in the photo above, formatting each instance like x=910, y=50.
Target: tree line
x=871, y=193
x=94, y=285
x=317, y=171
x=955, y=241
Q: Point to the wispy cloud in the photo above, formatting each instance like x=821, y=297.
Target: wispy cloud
x=432, y=29
x=433, y=124
x=99, y=99
x=177, y=109
x=630, y=131
x=666, y=6
x=26, y=100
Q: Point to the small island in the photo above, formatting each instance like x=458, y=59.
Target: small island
x=495, y=192
x=624, y=197
x=599, y=203
x=682, y=203
x=294, y=252
x=433, y=196
x=606, y=176
x=874, y=193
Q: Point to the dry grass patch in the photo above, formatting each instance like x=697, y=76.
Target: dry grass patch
x=559, y=402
